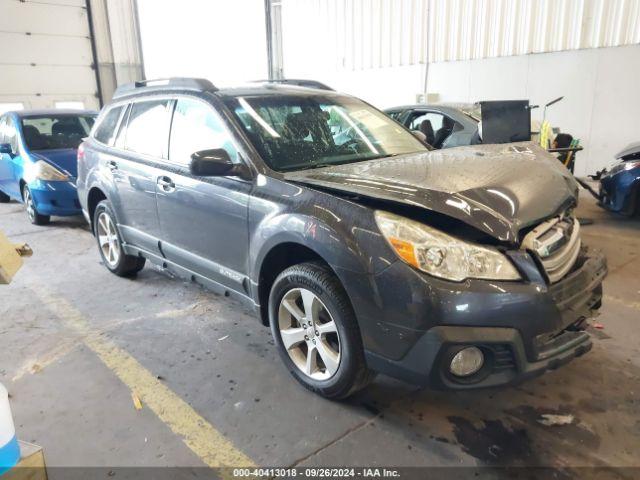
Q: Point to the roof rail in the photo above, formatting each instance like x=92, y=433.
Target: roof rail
x=298, y=82
x=175, y=83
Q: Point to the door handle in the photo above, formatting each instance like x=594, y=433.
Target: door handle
x=113, y=166
x=166, y=184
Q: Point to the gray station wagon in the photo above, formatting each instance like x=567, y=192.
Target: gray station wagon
x=362, y=249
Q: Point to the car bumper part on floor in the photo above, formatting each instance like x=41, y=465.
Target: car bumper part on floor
x=55, y=198
x=526, y=334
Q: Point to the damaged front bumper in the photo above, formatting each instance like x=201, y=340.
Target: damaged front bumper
x=530, y=330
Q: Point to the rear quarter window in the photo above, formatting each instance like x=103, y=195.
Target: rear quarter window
x=106, y=130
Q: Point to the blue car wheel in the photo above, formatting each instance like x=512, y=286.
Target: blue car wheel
x=4, y=198
x=32, y=211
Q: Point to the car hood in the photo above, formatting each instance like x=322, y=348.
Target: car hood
x=498, y=189
x=64, y=159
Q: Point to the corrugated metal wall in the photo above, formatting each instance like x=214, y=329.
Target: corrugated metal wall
x=362, y=34
x=472, y=29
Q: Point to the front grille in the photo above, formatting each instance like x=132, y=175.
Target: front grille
x=557, y=244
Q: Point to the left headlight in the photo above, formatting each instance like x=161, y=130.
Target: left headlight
x=442, y=255
x=44, y=171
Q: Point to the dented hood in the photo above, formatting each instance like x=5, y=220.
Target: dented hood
x=498, y=189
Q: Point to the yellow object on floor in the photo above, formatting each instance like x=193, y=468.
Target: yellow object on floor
x=31, y=465
x=11, y=258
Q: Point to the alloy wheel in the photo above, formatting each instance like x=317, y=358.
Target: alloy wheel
x=28, y=201
x=108, y=239
x=309, y=334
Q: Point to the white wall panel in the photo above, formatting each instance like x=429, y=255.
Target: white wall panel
x=46, y=53
x=70, y=81
x=43, y=18
x=600, y=89
x=75, y=51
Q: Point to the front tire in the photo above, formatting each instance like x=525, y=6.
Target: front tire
x=315, y=329
x=32, y=211
x=4, y=198
x=110, y=243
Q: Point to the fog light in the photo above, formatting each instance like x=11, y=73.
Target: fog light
x=467, y=362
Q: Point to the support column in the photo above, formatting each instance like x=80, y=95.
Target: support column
x=273, y=19
x=116, y=45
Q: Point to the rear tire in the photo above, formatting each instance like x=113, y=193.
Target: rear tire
x=310, y=309
x=110, y=243
x=4, y=198
x=32, y=211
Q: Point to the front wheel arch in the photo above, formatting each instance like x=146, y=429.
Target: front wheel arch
x=22, y=184
x=279, y=258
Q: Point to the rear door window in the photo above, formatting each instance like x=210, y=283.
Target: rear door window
x=106, y=131
x=148, y=128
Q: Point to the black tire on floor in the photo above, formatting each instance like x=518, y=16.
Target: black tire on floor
x=4, y=198
x=352, y=373
x=32, y=211
x=126, y=265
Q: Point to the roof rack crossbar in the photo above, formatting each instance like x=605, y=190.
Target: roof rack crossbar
x=173, y=83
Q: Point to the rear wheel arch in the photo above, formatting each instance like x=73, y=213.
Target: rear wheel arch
x=95, y=196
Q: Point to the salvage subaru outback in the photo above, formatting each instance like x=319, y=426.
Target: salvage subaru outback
x=361, y=248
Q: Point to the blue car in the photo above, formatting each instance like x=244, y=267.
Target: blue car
x=38, y=160
x=620, y=185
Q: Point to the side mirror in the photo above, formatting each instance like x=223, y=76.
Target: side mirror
x=212, y=163
x=6, y=148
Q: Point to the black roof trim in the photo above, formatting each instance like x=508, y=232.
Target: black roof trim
x=163, y=84
x=298, y=82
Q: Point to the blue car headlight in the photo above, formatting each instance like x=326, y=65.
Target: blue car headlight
x=42, y=170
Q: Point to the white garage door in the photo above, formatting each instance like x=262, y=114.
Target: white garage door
x=46, y=55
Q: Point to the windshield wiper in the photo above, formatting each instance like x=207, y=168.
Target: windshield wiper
x=321, y=165
x=354, y=160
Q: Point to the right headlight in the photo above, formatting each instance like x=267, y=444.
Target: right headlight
x=442, y=255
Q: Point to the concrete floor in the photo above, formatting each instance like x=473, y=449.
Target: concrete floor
x=76, y=341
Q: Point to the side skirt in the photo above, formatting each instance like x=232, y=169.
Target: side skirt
x=186, y=274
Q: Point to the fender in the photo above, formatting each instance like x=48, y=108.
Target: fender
x=91, y=176
x=341, y=232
